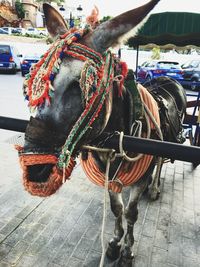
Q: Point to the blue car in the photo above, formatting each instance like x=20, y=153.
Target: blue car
x=9, y=58
x=152, y=69
x=27, y=62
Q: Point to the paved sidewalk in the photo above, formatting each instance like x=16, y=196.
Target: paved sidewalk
x=64, y=230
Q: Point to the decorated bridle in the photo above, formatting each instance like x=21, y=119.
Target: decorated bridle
x=95, y=82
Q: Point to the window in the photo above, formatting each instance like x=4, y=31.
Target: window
x=168, y=65
x=26, y=14
x=4, y=49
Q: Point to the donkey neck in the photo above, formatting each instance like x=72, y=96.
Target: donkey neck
x=118, y=120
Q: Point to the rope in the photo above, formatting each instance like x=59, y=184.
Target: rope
x=154, y=121
x=140, y=155
x=105, y=209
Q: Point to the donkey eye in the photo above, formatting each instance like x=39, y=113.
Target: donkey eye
x=74, y=84
x=72, y=90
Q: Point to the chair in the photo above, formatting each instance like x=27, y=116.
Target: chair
x=191, y=122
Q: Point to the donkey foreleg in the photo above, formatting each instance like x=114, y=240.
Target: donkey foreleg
x=117, y=208
x=131, y=215
x=154, y=187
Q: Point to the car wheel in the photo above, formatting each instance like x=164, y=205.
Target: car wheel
x=14, y=71
x=148, y=78
x=193, y=85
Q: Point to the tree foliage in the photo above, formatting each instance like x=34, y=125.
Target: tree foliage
x=59, y=2
x=105, y=18
x=19, y=9
x=155, y=53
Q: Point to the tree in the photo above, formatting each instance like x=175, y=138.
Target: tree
x=155, y=53
x=19, y=9
x=59, y=2
x=105, y=18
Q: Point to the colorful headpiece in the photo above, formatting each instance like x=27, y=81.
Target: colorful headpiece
x=95, y=82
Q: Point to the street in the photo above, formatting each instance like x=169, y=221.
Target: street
x=12, y=103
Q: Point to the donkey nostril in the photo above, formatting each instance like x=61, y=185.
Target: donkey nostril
x=39, y=173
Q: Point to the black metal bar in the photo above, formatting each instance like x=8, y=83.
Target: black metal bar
x=131, y=144
x=13, y=124
x=137, y=60
x=159, y=148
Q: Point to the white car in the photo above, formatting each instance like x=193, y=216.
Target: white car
x=32, y=31
x=42, y=31
x=35, y=31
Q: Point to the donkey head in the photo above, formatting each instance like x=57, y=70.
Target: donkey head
x=71, y=87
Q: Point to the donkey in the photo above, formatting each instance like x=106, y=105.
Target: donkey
x=82, y=96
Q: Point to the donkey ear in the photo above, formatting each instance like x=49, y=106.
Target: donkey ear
x=54, y=21
x=111, y=32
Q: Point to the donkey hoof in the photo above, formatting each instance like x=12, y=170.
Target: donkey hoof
x=154, y=194
x=113, y=251
x=126, y=261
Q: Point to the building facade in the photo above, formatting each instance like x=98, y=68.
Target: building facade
x=33, y=16
x=31, y=8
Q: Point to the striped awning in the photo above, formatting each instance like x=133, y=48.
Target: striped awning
x=176, y=28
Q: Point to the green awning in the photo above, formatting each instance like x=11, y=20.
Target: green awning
x=177, y=28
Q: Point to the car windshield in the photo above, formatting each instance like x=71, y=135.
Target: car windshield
x=4, y=49
x=168, y=65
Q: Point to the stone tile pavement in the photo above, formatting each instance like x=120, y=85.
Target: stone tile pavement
x=64, y=229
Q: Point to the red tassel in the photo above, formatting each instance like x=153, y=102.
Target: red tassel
x=124, y=68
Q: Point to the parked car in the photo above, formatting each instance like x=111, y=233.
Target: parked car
x=32, y=31
x=8, y=29
x=2, y=31
x=155, y=68
x=9, y=58
x=37, y=31
x=42, y=31
x=21, y=31
x=191, y=73
x=27, y=62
